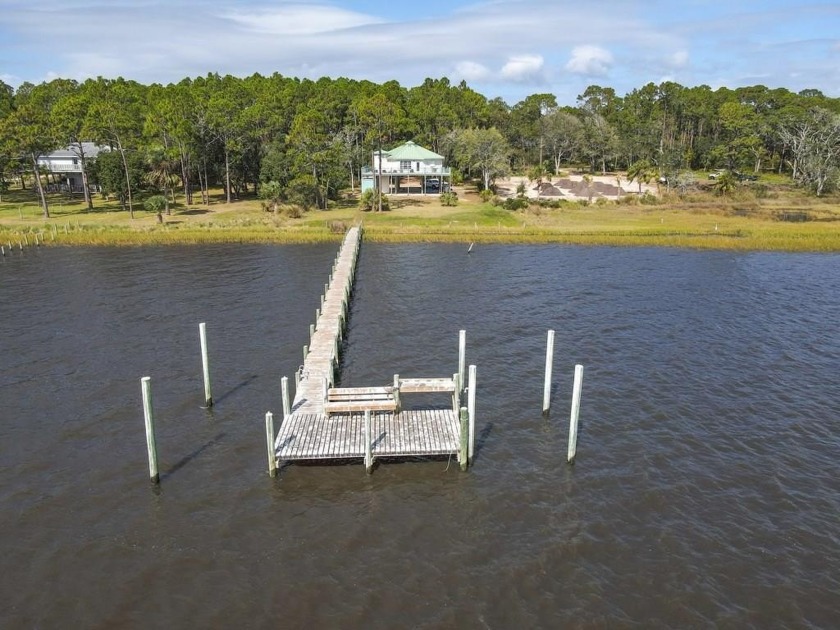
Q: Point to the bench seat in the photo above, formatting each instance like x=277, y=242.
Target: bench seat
x=350, y=399
x=426, y=385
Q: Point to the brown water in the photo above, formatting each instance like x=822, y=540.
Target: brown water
x=706, y=491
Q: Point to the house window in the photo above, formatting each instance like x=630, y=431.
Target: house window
x=75, y=161
x=405, y=165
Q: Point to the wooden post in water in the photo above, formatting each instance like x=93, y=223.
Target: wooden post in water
x=297, y=381
x=269, y=439
x=305, y=352
x=462, y=356
x=205, y=365
x=3, y=251
x=573, y=418
x=151, y=446
x=549, y=362
x=311, y=332
x=463, y=451
x=368, y=452
x=317, y=316
x=284, y=390
x=397, y=393
x=471, y=410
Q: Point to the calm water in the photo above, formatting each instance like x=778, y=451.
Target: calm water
x=706, y=491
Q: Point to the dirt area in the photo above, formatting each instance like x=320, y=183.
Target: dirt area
x=573, y=187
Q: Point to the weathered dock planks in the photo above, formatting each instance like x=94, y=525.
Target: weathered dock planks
x=326, y=422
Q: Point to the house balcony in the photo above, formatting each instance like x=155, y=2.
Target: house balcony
x=429, y=171
x=60, y=167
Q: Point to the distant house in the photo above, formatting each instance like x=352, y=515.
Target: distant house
x=406, y=169
x=65, y=165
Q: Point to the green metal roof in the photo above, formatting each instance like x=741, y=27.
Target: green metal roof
x=411, y=151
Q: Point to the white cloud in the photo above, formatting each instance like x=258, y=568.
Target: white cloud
x=679, y=59
x=590, y=61
x=523, y=68
x=472, y=71
x=10, y=79
x=300, y=19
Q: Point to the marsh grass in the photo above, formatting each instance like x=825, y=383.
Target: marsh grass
x=782, y=219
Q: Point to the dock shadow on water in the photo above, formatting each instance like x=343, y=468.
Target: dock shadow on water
x=708, y=384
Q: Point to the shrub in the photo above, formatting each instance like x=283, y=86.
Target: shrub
x=485, y=195
x=449, y=198
x=515, y=203
x=156, y=203
x=370, y=201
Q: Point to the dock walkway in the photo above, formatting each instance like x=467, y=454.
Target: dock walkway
x=325, y=422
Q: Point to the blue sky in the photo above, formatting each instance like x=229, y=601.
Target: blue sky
x=506, y=48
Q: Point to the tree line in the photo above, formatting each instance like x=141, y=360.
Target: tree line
x=304, y=141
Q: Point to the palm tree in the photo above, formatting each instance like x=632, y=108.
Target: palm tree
x=642, y=171
x=160, y=174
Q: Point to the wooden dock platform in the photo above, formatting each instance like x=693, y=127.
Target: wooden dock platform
x=326, y=422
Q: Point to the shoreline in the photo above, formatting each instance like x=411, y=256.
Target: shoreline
x=118, y=236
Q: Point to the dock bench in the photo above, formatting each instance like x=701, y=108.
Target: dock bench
x=355, y=399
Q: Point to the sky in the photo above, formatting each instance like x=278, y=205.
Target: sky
x=501, y=48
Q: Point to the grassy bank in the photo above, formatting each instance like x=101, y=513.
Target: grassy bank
x=784, y=220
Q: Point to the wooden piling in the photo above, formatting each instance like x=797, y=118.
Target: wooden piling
x=462, y=356
x=205, y=365
x=549, y=362
x=269, y=439
x=463, y=451
x=148, y=414
x=471, y=411
x=368, y=452
x=311, y=332
x=284, y=389
x=305, y=352
x=573, y=418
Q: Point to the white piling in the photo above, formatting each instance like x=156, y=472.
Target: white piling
x=205, y=364
x=311, y=332
x=573, y=418
x=151, y=446
x=305, y=352
x=462, y=356
x=368, y=452
x=463, y=443
x=549, y=362
x=269, y=439
x=471, y=409
x=284, y=389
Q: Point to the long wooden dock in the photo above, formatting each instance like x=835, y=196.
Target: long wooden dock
x=326, y=422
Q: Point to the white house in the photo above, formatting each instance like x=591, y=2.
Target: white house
x=408, y=168
x=67, y=165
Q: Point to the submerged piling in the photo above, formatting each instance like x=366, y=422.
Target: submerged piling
x=205, y=365
x=151, y=446
x=368, y=448
x=269, y=438
x=573, y=417
x=471, y=411
x=549, y=362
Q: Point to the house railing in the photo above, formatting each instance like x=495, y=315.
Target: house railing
x=60, y=167
x=428, y=170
